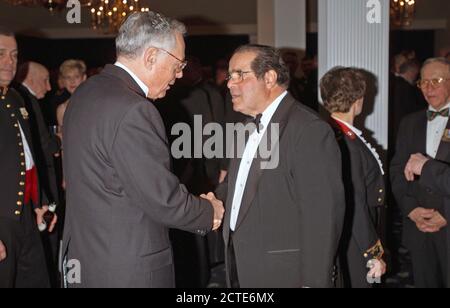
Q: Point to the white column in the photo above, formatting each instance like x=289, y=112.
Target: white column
x=356, y=33
x=282, y=23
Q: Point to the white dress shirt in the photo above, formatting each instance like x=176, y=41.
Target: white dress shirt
x=435, y=131
x=133, y=75
x=368, y=145
x=250, y=152
x=29, y=89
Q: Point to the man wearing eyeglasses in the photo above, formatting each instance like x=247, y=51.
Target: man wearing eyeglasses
x=426, y=132
x=121, y=194
x=282, y=225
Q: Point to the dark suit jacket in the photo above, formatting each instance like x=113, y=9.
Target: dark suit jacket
x=121, y=194
x=291, y=217
x=12, y=157
x=45, y=145
x=404, y=99
x=410, y=195
x=436, y=177
x=365, y=195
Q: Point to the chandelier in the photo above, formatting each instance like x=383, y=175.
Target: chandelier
x=106, y=15
x=402, y=12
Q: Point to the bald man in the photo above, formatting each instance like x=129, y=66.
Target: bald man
x=33, y=83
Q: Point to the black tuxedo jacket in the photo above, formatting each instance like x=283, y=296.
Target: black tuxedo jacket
x=291, y=217
x=412, y=139
x=365, y=195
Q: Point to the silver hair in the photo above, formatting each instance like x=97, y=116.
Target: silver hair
x=441, y=60
x=142, y=30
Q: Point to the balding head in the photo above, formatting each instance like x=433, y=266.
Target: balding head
x=435, y=82
x=35, y=77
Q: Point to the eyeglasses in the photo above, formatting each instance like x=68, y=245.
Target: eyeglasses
x=237, y=76
x=182, y=64
x=434, y=83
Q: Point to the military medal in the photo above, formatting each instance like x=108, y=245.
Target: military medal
x=446, y=136
x=24, y=113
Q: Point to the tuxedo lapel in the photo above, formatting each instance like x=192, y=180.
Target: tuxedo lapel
x=120, y=73
x=256, y=171
x=421, y=133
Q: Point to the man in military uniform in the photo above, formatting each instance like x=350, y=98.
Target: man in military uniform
x=22, y=261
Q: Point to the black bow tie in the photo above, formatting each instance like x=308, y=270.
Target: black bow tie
x=257, y=121
x=431, y=115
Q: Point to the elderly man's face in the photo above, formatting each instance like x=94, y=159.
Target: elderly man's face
x=8, y=59
x=41, y=83
x=168, y=69
x=247, y=92
x=437, y=96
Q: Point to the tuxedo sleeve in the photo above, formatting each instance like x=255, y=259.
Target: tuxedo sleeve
x=436, y=176
x=140, y=153
x=321, y=201
x=398, y=180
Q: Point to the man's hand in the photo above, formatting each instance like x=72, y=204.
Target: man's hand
x=435, y=223
x=3, y=254
x=40, y=217
x=427, y=220
x=377, y=268
x=415, y=166
x=218, y=209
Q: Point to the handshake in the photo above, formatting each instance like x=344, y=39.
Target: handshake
x=218, y=209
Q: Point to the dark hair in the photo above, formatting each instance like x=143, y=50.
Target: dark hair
x=409, y=66
x=267, y=58
x=341, y=87
x=6, y=32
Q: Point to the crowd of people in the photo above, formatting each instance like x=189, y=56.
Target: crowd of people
x=133, y=216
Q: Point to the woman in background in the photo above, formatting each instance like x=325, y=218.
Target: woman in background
x=360, y=256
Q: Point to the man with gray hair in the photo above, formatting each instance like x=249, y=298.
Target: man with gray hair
x=121, y=195
x=424, y=208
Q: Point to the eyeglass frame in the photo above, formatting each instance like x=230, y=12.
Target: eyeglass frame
x=183, y=63
x=438, y=82
x=241, y=75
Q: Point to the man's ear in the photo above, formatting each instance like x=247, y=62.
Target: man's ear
x=150, y=57
x=270, y=79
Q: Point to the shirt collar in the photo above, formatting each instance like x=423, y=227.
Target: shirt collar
x=446, y=106
x=133, y=75
x=354, y=129
x=29, y=89
x=269, y=112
